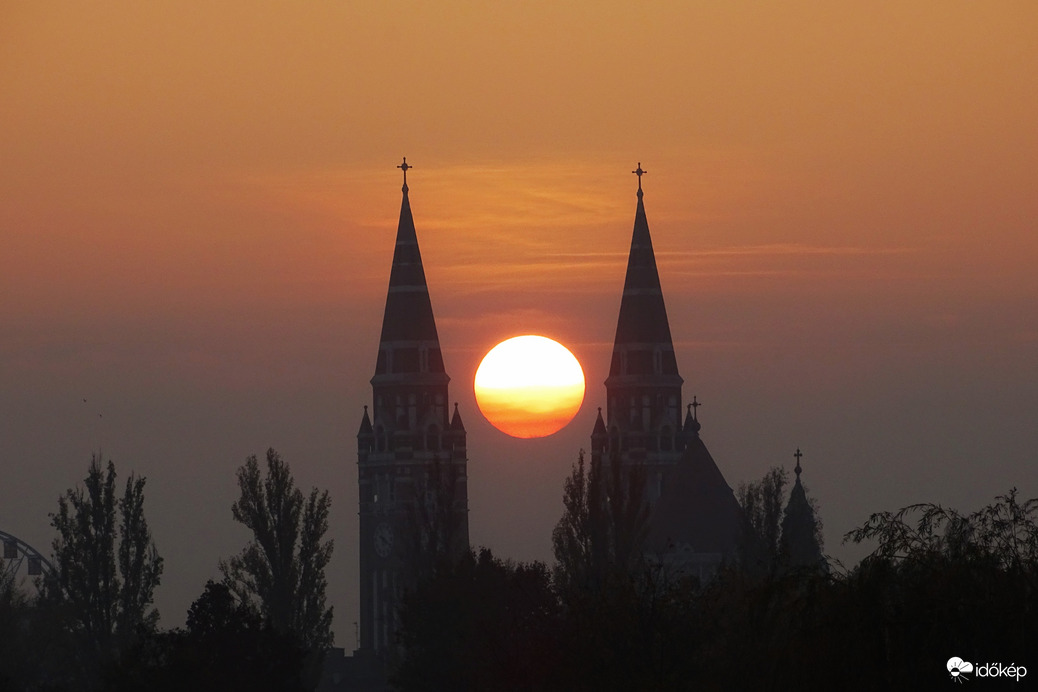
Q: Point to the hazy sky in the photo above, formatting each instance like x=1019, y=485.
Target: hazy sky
x=198, y=208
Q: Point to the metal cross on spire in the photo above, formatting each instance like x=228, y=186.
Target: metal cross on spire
x=695, y=402
x=404, y=166
x=639, y=172
x=798, y=455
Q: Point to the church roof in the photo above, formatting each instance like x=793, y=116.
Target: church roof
x=642, y=323
x=696, y=507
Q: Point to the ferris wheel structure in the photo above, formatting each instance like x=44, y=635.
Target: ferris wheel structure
x=18, y=554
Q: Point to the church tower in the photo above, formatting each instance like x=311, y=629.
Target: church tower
x=411, y=456
x=643, y=391
x=694, y=520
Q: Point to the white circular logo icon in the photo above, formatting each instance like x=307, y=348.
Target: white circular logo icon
x=957, y=667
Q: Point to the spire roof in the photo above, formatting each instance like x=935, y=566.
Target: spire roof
x=801, y=534
x=365, y=424
x=643, y=320
x=408, y=324
x=456, y=424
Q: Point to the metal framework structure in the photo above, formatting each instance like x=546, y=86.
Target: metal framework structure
x=17, y=551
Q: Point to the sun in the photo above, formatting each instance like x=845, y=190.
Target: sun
x=529, y=386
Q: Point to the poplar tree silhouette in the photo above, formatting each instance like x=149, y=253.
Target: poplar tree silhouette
x=281, y=571
x=107, y=568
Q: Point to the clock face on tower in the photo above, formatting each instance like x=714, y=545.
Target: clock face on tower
x=383, y=539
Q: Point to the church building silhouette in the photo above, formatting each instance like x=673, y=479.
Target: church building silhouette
x=411, y=448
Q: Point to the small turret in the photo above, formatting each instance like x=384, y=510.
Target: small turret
x=366, y=435
x=599, y=436
x=801, y=537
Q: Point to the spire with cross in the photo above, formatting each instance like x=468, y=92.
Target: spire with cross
x=695, y=405
x=404, y=167
x=798, y=455
x=639, y=172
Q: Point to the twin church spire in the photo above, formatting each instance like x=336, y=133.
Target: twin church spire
x=412, y=459
x=694, y=520
x=411, y=450
x=643, y=389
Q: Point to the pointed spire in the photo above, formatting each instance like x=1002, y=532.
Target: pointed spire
x=801, y=535
x=600, y=428
x=643, y=323
x=456, y=424
x=408, y=325
x=365, y=424
x=692, y=426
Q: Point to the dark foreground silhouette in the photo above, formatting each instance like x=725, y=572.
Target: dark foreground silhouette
x=939, y=585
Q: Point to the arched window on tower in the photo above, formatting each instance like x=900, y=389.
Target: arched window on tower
x=666, y=439
x=432, y=439
x=614, y=439
x=380, y=439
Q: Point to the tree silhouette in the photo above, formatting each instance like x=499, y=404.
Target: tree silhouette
x=281, y=571
x=104, y=593
x=762, y=502
x=434, y=521
x=225, y=646
x=481, y=624
x=602, y=531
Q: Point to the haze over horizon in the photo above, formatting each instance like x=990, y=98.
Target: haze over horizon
x=198, y=209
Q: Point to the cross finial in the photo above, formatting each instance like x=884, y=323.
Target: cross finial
x=404, y=166
x=695, y=405
x=798, y=455
x=639, y=172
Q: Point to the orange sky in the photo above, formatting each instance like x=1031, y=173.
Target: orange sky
x=197, y=210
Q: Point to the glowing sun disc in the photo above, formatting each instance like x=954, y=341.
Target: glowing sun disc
x=529, y=386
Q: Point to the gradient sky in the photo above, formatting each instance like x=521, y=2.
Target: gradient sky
x=198, y=207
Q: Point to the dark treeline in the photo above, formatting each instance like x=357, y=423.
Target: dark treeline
x=604, y=616
x=939, y=584
x=90, y=625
